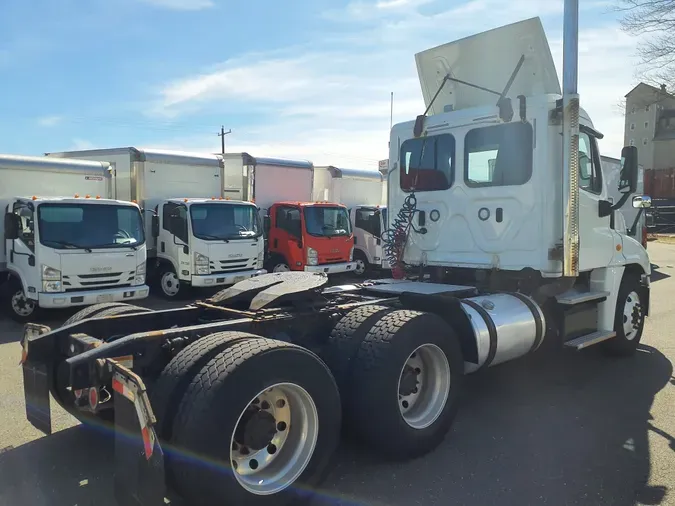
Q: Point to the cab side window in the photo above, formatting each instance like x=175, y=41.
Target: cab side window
x=27, y=227
x=288, y=219
x=590, y=175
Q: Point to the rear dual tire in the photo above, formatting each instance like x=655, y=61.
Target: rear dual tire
x=400, y=376
x=259, y=419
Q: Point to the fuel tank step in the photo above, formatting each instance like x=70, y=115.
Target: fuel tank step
x=573, y=297
x=582, y=342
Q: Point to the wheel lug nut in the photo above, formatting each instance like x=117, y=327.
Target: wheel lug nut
x=281, y=426
x=265, y=405
x=281, y=403
x=271, y=449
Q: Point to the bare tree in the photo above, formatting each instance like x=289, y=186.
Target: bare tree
x=654, y=20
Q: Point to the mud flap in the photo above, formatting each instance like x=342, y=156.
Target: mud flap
x=36, y=382
x=139, y=459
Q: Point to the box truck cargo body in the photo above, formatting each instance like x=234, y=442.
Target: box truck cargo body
x=67, y=242
x=300, y=234
x=362, y=192
x=198, y=238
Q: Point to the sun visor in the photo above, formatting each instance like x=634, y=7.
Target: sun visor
x=488, y=59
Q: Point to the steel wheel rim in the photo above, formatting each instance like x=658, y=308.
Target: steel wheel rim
x=632, y=315
x=421, y=406
x=21, y=305
x=170, y=284
x=280, y=462
x=281, y=268
x=360, y=267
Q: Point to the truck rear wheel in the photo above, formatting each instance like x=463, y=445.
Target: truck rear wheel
x=345, y=340
x=167, y=392
x=629, y=319
x=405, y=384
x=92, y=311
x=267, y=414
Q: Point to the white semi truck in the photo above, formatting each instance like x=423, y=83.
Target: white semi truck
x=258, y=380
x=362, y=191
x=66, y=241
x=197, y=238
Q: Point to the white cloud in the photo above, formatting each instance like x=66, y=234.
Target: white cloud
x=49, y=121
x=181, y=5
x=332, y=106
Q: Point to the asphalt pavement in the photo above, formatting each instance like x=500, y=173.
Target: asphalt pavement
x=557, y=428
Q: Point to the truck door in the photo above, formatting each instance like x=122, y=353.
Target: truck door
x=286, y=236
x=173, y=242
x=21, y=251
x=597, y=240
x=366, y=231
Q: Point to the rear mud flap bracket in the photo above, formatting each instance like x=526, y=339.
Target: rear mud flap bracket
x=139, y=459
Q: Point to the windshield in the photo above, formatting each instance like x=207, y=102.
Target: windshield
x=327, y=221
x=70, y=226
x=213, y=222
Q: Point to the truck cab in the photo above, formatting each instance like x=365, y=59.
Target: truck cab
x=369, y=224
x=205, y=243
x=72, y=251
x=309, y=236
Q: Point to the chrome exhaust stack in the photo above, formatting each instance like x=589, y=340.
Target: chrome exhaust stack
x=570, y=173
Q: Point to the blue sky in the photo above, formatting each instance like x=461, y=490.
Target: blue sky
x=303, y=79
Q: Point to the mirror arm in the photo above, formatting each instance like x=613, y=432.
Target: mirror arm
x=633, y=228
x=621, y=201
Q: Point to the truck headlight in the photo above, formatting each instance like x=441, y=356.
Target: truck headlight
x=140, y=274
x=261, y=260
x=312, y=256
x=201, y=264
x=351, y=254
x=50, y=274
x=52, y=286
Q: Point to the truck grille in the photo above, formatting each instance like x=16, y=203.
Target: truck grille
x=236, y=265
x=84, y=282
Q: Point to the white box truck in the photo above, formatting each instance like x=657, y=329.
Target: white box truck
x=67, y=242
x=197, y=237
x=301, y=234
x=362, y=192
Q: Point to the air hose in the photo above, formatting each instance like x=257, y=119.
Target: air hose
x=396, y=236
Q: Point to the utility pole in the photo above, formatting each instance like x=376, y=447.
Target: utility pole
x=222, y=135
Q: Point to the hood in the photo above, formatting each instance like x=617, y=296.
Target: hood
x=488, y=59
x=332, y=249
x=99, y=269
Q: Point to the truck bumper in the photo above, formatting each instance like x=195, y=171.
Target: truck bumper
x=332, y=268
x=229, y=278
x=89, y=297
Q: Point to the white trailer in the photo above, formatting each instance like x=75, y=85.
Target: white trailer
x=267, y=181
x=362, y=192
x=67, y=242
x=628, y=216
x=198, y=238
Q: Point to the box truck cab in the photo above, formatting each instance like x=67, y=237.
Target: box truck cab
x=312, y=237
x=215, y=244
x=361, y=191
x=370, y=223
x=206, y=243
x=67, y=251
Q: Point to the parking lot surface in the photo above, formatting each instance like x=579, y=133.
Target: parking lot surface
x=556, y=428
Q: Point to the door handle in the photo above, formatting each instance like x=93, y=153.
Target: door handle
x=499, y=215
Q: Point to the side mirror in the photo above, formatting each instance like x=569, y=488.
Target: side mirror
x=642, y=201
x=155, y=225
x=12, y=226
x=628, y=179
x=267, y=223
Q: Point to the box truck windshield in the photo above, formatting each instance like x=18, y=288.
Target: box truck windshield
x=219, y=221
x=323, y=221
x=68, y=226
